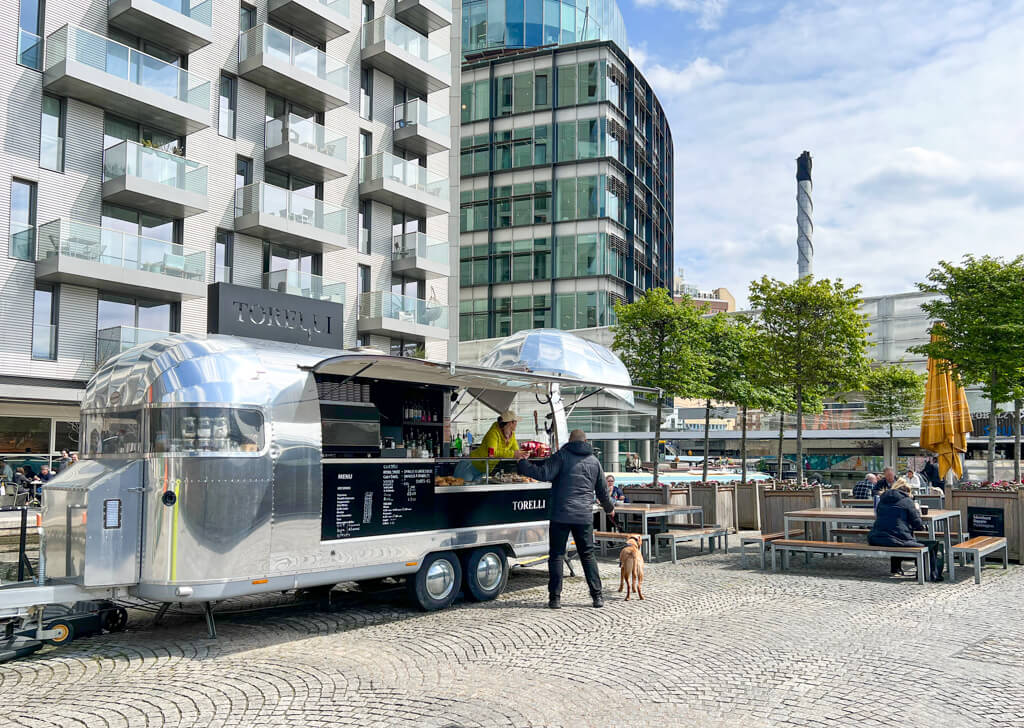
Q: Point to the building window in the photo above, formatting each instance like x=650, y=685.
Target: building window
x=367, y=11
x=362, y=279
x=364, y=226
x=222, y=256
x=23, y=220
x=366, y=93
x=246, y=17
x=243, y=172
x=365, y=144
x=123, y=322
x=44, y=322
x=30, y=34
x=51, y=134
x=228, y=104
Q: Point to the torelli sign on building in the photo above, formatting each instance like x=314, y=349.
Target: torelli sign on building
x=262, y=314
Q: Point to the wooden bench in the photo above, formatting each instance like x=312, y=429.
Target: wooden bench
x=762, y=541
x=978, y=547
x=865, y=531
x=918, y=553
x=620, y=537
x=685, y=535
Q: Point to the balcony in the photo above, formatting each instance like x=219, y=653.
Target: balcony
x=153, y=180
x=305, y=148
x=105, y=73
x=417, y=256
x=422, y=129
x=81, y=254
x=407, y=56
x=424, y=16
x=307, y=285
x=291, y=68
x=403, y=185
x=390, y=314
x=323, y=20
x=119, y=339
x=283, y=216
x=30, y=49
x=182, y=26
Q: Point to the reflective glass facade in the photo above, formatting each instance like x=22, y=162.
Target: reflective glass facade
x=494, y=24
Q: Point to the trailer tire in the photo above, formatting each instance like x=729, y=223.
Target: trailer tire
x=115, y=619
x=67, y=632
x=486, y=574
x=437, y=582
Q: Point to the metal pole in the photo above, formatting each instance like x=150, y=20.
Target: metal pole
x=21, y=544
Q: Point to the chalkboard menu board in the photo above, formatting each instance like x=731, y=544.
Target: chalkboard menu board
x=377, y=498
x=985, y=521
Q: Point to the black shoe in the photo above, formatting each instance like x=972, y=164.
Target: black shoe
x=598, y=601
x=554, y=602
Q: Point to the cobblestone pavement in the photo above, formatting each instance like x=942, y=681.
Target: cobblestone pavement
x=829, y=644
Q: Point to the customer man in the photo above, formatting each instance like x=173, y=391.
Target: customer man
x=614, y=491
x=576, y=477
x=885, y=482
x=931, y=473
x=915, y=481
x=44, y=474
x=865, y=488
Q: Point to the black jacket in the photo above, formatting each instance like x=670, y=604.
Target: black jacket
x=576, y=476
x=931, y=474
x=896, y=519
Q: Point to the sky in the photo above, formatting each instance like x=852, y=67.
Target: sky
x=913, y=112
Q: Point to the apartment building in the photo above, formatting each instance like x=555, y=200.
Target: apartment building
x=195, y=165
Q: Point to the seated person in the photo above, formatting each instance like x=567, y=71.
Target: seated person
x=614, y=491
x=896, y=519
x=501, y=438
x=23, y=482
x=865, y=488
x=45, y=475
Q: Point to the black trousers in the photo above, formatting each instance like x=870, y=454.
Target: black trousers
x=935, y=565
x=583, y=534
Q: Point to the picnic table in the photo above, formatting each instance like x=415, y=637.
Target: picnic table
x=648, y=511
x=828, y=517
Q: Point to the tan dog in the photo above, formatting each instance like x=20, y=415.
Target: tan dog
x=631, y=567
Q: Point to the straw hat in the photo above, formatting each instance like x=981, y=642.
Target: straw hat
x=507, y=416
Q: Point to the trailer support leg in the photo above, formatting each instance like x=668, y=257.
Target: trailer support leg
x=211, y=626
x=158, y=618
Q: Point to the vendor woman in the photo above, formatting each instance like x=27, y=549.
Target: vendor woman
x=499, y=442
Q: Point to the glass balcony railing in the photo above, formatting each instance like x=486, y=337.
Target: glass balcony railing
x=402, y=308
x=222, y=274
x=155, y=165
x=30, y=49
x=419, y=245
x=290, y=205
x=23, y=241
x=118, y=339
x=73, y=239
x=116, y=59
x=386, y=28
x=406, y=172
x=199, y=11
x=307, y=285
x=422, y=114
x=268, y=41
x=44, y=341
x=307, y=133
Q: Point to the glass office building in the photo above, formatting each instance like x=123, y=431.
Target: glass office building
x=500, y=24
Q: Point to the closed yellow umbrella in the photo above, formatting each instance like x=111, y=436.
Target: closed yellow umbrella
x=946, y=419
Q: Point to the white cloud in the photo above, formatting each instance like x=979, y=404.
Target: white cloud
x=709, y=12
x=668, y=81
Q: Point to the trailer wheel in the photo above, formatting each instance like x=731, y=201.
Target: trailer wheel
x=65, y=632
x=486, y=574
x=437, y=583
x=115, y=619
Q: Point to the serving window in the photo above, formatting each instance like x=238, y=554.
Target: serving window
x=175, y=430
x=113, y=433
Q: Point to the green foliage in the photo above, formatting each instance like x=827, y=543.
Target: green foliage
x=894, y=395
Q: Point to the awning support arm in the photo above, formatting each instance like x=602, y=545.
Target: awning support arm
x=572, y=405
x=356, y=374
x=472, y=399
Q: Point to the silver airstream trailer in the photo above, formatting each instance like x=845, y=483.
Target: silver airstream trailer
x=216, y=466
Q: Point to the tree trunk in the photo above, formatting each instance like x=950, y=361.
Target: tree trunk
x=782, y=435
x=1016, y=440
x=743, y=447
x=993, y=425
x=707, y=439
x=892, y=447
x=799, y=436
x=657, y=441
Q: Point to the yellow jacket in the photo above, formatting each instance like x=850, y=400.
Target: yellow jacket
x=502, y=448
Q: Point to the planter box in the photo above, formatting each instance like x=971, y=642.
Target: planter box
x=678, y=496
x=776, y=503
x=1011, y=503
x=748, y=510
x=718, y=502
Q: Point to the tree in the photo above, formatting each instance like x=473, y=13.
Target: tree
x=895, y=394
x=661, y=344
x=979, y=328
x=816, y=337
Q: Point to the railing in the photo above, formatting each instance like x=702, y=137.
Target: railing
x=51, y=152
x=63, y=237
x=289, y=205
x=222, y=273
x=406, y=172
x=30, y=49
x=337, y=6
x=202, y=11
x=23, y=241
x=388, y=305
x=300, y=283
x=268, y=41
x=307, y=133
x=117, y=339
x=421, y=113
x=386, y=28
x=19, y=560
x=44, y=341
x=83, y=46
x=418, y=244
x=135, y=160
